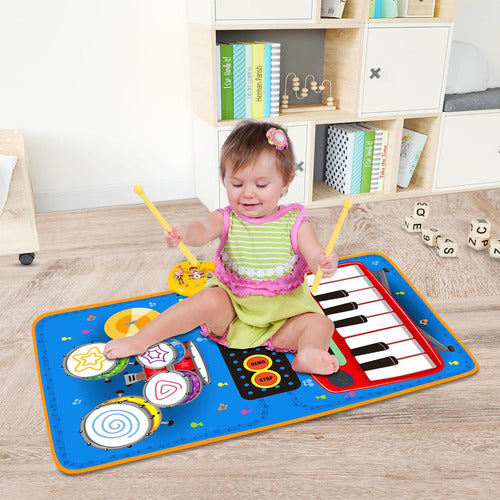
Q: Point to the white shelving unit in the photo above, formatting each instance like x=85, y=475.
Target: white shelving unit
x=388, y=72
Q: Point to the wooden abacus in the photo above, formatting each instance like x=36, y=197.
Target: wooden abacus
x=302, y=92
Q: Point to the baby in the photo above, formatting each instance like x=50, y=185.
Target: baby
x=259, y=295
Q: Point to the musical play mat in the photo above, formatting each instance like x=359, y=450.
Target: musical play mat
x=189, y=391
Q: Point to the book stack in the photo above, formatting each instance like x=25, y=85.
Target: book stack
x=412, y=144
x=356, y=157
x=248, y=80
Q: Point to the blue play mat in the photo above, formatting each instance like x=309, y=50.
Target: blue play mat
x=189, y=391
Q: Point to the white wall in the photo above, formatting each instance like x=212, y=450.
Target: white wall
x=102, y=91
x=476, y=22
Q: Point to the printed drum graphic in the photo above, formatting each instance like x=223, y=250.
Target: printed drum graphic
x=167, y=389
x=119, y=423
x=88, y=362
x=158, y=356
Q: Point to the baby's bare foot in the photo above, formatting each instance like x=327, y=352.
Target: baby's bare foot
x=123, y=348
x=315, y=361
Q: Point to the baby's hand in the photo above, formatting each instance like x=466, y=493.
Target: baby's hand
x=174, y=237
x=328, y=264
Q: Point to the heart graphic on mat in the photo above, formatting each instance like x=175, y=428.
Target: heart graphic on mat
x=164, y=389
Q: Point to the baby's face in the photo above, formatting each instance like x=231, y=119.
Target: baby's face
x=255, y=190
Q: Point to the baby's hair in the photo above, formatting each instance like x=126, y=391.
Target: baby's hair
x=246, y=143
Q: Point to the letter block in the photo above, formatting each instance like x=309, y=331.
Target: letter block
x=446, y=247
x=495, y=248
x=430, y=235
x=477, y=243
x=480, y=228
x=413, y=225
x=421, y=210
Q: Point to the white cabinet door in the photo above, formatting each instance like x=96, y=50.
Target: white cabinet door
x=469, y=155
x=298, y=133
x=264, y=11
x=404, y=68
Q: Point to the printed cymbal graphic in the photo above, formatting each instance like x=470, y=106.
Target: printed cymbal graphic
x=186, y=279
x=128, y=322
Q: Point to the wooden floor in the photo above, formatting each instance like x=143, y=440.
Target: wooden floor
x=437, y=443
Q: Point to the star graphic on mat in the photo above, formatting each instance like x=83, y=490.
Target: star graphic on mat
x=93, y=359
x=157, y=353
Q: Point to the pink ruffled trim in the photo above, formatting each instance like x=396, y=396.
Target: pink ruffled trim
x=268, y=288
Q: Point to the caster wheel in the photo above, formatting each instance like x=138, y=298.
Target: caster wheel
x=26, y=258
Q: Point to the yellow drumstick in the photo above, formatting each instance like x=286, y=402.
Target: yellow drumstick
x=331, y=243
x=189, y=256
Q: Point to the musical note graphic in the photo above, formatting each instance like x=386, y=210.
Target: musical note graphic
x=76, y=402
x=246, y=412
x=453, y=362
x=65, y=338
x=308, y=383
x=152, y=304
x=321, y=397
x=423, y=321
x=400, y=293
x=196, y=424
x=220, y=384
x=88, y=331
x=222, y=407
x=91, y=318
x=350, y=394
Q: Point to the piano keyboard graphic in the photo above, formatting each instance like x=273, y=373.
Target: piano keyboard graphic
x=374, y=339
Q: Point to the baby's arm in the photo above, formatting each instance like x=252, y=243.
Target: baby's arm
x=313, y=251
x=196, y=233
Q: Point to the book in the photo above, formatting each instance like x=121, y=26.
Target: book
x=412, y=144
x=275, y=78
x=378, y=148
x=258, y=62
x=218, y=70
x=339, y=157
x=226, y=81
x=239, y=81
x=371, y=13
x=357, y=160
x=248, y=80
x=366, y=175
x=272, y=55
x=389, y=8
x=267, y=79
x=383, y=162
x=377, y=9
x=332, y=8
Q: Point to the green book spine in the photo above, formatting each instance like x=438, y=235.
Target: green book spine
x=226, y=81
x=366, y=175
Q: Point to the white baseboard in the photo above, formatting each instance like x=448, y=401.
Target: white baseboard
x=59, y=200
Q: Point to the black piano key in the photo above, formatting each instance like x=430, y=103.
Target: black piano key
x=337, y=294
x=348, y=306
x=354, y=320
x=368, y=349
x=379, y=363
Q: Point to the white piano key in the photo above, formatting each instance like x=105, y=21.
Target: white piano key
x=370, y=309
x=340, y=274
x=374, y=323
x=405, y=366
x=349, y=285
x=360, y=297
x=343, y=273
x=388, y=335
x=398, y=350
